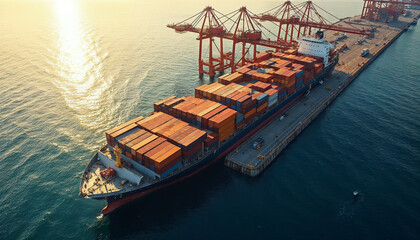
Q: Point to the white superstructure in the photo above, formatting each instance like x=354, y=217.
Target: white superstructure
x=315, y=47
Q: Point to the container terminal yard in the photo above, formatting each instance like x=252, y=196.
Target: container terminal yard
x=249, y=115
x=281, y=131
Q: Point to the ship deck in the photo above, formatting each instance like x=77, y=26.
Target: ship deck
x=279, y=133
x=96, y=184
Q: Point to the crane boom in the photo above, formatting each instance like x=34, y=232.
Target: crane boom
x=295, y=21
x=239, y=27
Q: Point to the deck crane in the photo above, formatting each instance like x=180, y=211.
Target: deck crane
x=375, y=10
x=237, y=26
x=299, y=20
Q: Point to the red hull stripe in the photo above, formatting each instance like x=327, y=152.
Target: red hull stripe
x=112, y=206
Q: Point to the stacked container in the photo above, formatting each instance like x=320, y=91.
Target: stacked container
x=164, y=158
x=177, y=132
x=167, y=104
x=272, y=97
x=291, y=51
x=211, y=141
x=318, y=68
x=239, y=123
x=206, y=117
x=279, y=63
x=162, y=140
x=235, y=77
x=263, y=56
x=243, y=70
x=260, y=86
x=193, y=110
x=287, y=78
x=223, y=123
x=157, y=105
x=219, y=92
x=130, y=144
x=255, y=75
x=262, y=102
x=116, y=132
x=267, y=63
x=281, y=93
x=140, y=152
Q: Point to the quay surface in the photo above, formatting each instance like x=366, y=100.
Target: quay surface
x=280, y=132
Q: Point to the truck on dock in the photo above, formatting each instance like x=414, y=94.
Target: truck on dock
x=364, y=52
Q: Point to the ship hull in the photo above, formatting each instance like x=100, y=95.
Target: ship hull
x=115, y=201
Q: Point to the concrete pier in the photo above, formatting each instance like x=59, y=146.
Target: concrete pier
x=280, y=132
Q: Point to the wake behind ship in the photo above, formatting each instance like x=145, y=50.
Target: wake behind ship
x=185, y=135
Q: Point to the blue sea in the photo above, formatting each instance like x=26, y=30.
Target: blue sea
x=70, y=70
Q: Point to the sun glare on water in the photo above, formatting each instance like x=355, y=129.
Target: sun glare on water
x=78, y=65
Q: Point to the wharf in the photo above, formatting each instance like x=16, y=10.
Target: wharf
x=279, y=133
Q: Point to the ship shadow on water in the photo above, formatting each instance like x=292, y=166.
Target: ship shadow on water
x=162, y=210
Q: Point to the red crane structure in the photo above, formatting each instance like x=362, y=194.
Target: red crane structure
x=238, y=26
x=287, y=16
x=294, y=21
x=375, y=10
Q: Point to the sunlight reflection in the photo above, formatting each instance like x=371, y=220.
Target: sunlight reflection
x=78, y=65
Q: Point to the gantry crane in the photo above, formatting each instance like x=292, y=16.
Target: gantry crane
x=238, y=26
x=249, y=33
x=295, y=21
x=375, y=10
x=287, y=16
x=208, y=25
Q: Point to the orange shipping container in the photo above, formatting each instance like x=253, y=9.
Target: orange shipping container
x=204, y=112
x=156, y=122
x=129, y=145
x=193, y=137
x=121, y=131
x=250, y=113
x=262, y=108
x=172, y=103
x=142, y=143
x=109, y=132
x=158, y=104
x=163, y=125
x=129, y=138
x=219, y=119
x=182, y=135
x=168, y=132
x=210, y=91
x=155, y=150
x=150, y=118
x=141, y=151
x=167, y=157
x=162, y=151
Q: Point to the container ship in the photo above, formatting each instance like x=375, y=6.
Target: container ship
x=185, y=135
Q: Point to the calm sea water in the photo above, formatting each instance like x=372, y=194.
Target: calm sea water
x=70, y=70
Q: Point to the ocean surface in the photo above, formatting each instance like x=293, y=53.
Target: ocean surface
x=69, y=70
